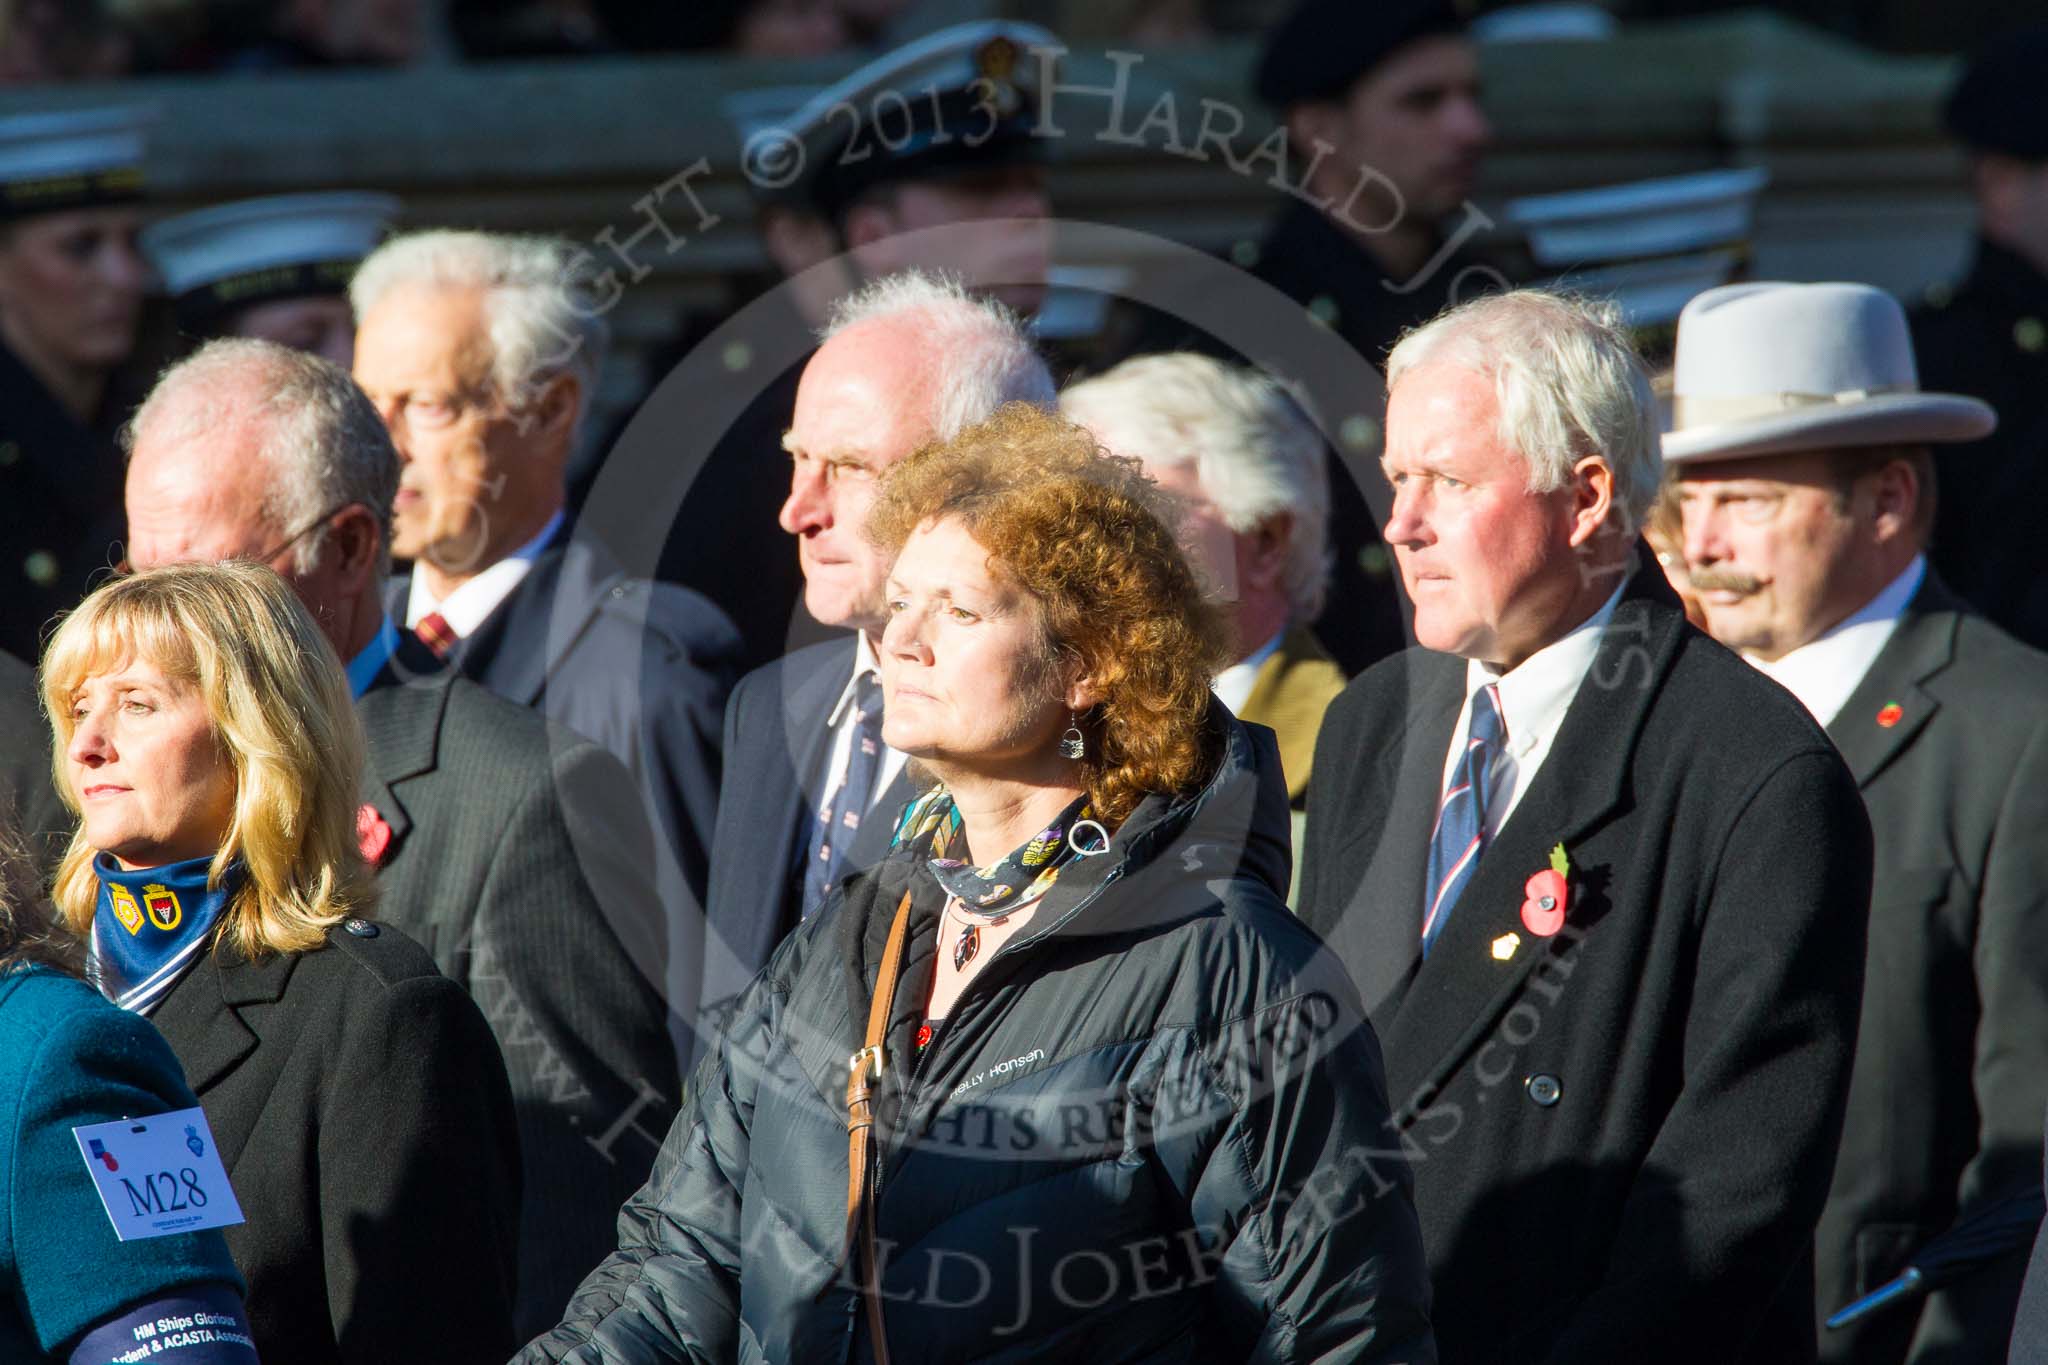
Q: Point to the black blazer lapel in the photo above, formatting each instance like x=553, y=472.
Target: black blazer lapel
x=402, y=735
x=210, y=1039
x=778, y=745
x=1466, y=981
x=806, y=732
x=1380, y=933
x=201, y=1019
x=1868, y=733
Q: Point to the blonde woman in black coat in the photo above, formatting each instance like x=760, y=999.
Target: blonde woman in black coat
x=205, y=735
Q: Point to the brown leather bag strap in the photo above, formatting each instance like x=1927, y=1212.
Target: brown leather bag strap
x=864, y=1068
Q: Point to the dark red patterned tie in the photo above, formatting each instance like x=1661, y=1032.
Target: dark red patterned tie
x=436, y=634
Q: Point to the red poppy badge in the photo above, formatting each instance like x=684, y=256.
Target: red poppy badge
x=1546, y=896
x=373, y=835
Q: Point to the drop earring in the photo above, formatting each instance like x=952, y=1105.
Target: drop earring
x=1073, y=744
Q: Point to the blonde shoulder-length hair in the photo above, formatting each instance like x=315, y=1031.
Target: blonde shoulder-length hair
x=283, y=716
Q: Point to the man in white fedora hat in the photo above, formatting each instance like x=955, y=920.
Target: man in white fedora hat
x=1801, y=442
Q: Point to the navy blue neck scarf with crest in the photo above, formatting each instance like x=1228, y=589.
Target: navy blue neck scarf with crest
x=152, y=924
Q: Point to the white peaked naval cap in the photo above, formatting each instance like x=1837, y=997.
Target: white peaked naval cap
x=74, y=158
x=197, y=249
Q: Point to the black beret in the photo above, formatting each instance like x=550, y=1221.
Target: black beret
x=1325, y=45
x=1999, y=105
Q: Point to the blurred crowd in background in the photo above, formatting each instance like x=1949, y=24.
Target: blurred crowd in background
x=67, y=40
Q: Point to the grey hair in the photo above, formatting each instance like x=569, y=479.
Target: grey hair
x=1254, y=450
x=981, y=355
x=543, y=316
x=322, y=440
x=1568, y=381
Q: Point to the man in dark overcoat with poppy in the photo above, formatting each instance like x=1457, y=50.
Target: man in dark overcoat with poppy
x=1603, y=887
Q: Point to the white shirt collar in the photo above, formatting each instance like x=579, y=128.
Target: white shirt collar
x=370, y=659
x=470, y=605
x=865, y=661
x=1824, y=672
x=1536, y=693
x=1233, y=686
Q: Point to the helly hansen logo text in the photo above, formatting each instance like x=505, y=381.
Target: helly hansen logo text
x=999, y=1070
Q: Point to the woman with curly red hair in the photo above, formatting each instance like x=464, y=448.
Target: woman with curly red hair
x=1061, y=1073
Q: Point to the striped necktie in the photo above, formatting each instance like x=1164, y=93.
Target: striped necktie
x=436, y=634
x=1460, y=833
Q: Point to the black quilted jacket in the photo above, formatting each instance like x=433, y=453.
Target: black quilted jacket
x=1154, y=1129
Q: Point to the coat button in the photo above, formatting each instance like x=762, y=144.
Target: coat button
x=1545, y=1089
x=360, y=928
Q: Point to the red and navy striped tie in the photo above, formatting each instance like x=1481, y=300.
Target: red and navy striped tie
x=1460, y=834
x=436, y=634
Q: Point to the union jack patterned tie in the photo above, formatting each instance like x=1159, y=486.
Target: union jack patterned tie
x=1460, y=833
x=839, y=820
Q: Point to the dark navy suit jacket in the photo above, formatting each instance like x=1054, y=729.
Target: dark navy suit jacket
x=776, y=746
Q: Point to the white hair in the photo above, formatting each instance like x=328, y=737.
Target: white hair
x=1254, y=451
x=322, y=441
x=542, y=315
x=980, y=353
x=1568, y=382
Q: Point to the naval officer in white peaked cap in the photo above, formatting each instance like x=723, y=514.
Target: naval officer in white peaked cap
x=276, y=269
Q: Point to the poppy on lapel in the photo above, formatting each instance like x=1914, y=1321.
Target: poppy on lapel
x=373, y=834
x=1547, y=895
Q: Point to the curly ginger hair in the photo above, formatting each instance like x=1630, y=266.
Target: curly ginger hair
x=1091, y=539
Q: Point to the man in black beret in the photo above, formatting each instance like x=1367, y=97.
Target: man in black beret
x=1381, y=102
x=1988, y=337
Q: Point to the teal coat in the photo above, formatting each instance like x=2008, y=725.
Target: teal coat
x=69, y=1058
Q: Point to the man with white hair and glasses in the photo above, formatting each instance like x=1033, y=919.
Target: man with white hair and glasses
x=511, y=850
x=1603, y=886
x=481, y=352
x=811, y=791
x=1249, y=470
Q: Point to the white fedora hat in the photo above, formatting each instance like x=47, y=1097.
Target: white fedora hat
x=1766, y=369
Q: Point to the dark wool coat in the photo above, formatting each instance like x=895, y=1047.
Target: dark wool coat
x=362, y=1112
x=29, y=796
x=1952, y=1064
x=60, y=506
x=1989, y=338
x=1622, y=1134
x=517, y=858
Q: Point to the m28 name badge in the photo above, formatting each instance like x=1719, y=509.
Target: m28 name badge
x=159, y=1175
